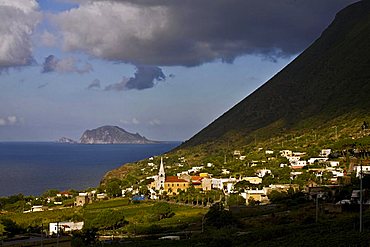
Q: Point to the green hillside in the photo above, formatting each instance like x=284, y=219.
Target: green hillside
x=328, y=83
x=320, y=100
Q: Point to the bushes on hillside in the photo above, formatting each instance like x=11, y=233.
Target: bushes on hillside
x=218, y=217
x=108, y=220
x=161, y=210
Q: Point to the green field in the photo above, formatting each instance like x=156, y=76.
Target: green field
x=138, y=216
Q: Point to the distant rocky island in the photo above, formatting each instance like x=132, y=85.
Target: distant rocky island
x=112, y=135
x=66, y=140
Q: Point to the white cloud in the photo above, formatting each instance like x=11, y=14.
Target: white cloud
x=48, y=39
x=189, y=33
x=134, y=121
x=111, y=30
x=9, y=121
x=65, y=65
x=18, y=19
x=2, y=122
x=155, y=122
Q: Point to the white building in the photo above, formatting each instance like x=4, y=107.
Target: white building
x=253, y=180
x=68, y=226
x=365, y=170
x=337, y=173
x=225, y=171
x=101, y=196
x=299, y=164
x=225, y=184
x=294, y=174
x=312, y=160
x=293, y=159
x=285, y=153
x=263, y=172
x=325, y=152
x=179, y=174
x=269, y=152
x=37, y=208
x=256, y=195
x=196, y=169
x=300, y=154
x=334, y=163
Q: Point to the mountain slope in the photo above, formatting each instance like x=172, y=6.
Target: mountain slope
x=329, y=79
x=112, y=135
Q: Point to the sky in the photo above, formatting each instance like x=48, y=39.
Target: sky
x=162, y=68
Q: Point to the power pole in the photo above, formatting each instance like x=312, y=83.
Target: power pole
x=360, y=196
x=317, y=207
x=42, y=234
x=57, y=234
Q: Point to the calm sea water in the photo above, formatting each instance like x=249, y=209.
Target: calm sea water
x=33, y=168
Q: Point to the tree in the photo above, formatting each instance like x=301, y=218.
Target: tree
x=235, y=199
x=86, y=237
x=50, y=193
x=243, y=185
x=10, y=228
x=2, y=231
x=162, y=210
x=113, y=188
x=144, y=190
x=267, y=180
x=278, y=197
x=218, y=217
x=365, y=125
x=252, y=202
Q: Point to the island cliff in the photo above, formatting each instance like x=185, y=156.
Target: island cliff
x=112, y=135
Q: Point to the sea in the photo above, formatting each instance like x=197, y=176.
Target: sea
x=31, y=168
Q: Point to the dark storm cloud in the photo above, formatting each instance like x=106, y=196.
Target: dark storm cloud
x=192, y=32
x=42, y=85
x=66, y=65
x=145, y=77
x=49, y=64
x=94, y=84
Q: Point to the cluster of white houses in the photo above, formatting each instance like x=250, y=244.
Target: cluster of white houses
x=172, y=185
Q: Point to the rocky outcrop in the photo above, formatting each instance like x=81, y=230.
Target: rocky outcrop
x=112, y=135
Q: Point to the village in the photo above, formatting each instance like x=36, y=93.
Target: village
x=319, y=171
x=317, y=177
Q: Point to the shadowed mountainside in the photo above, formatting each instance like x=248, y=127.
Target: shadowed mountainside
x=329, y=79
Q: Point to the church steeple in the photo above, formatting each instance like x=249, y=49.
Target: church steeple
x=161, y=178
x=161, y=169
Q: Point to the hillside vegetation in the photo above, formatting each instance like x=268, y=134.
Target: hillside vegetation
x=320, y=100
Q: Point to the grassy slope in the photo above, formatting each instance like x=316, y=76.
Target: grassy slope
x=135, y=214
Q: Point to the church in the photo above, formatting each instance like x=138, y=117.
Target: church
x=173, y=184
x=169, y=184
